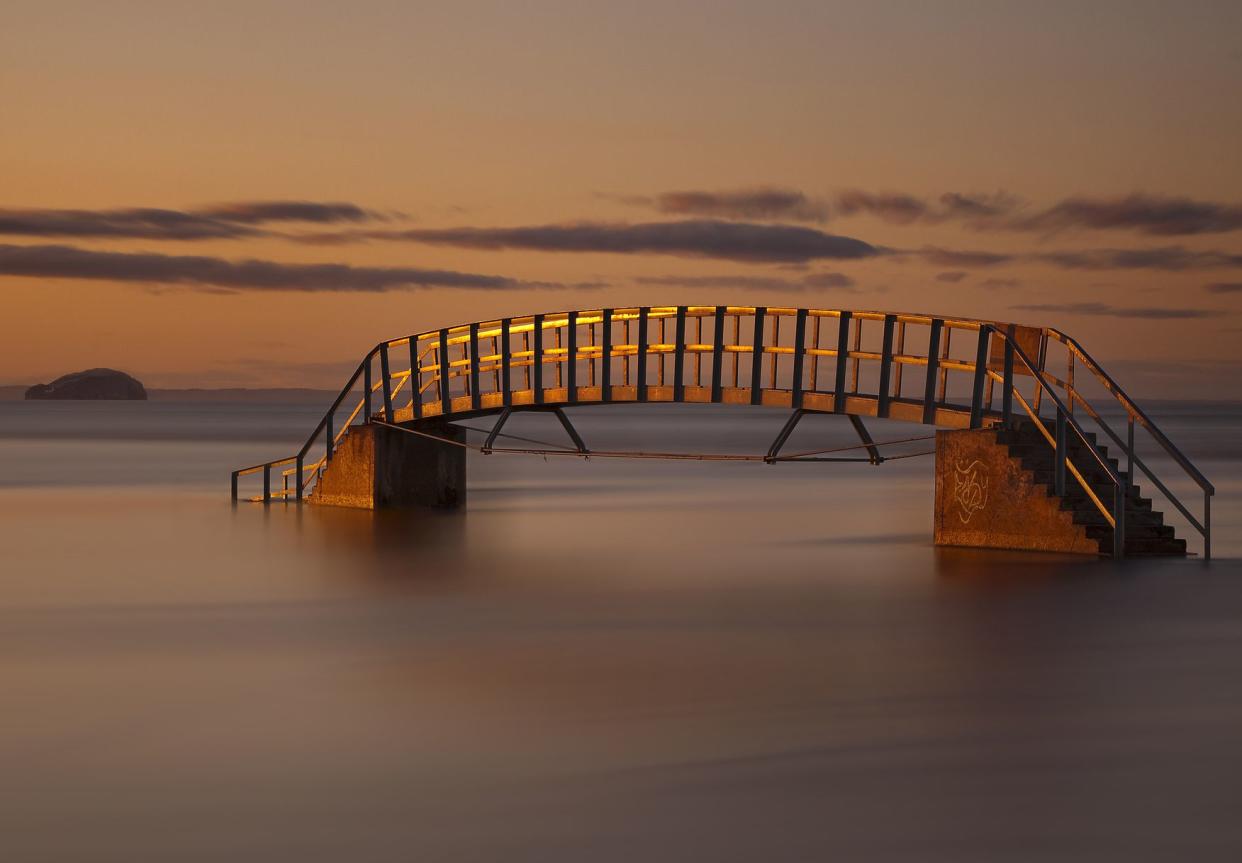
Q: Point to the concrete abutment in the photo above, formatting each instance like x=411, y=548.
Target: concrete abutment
x=379, y=467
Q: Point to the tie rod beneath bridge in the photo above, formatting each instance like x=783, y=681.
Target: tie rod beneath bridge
x=581, y=451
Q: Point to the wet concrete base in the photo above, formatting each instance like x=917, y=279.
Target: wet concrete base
x=986, y=499
x=376, y=467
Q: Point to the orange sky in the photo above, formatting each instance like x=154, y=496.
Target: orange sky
x=502, y=115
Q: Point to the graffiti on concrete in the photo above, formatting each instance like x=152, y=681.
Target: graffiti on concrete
x=970, y=489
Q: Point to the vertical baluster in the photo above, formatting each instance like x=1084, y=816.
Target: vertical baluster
x=366, y=388
x=1040, y=356
x=1069, y=380
x=1007, y=385
x=679, y=356
x=446, y=401
x=884, y=396
x=386, y=381
x=537, y=359
x=527, y=363
x=416, y=381
x=267, y=483
x=571, y=370
x=476, y=398
x=799, y=348
x=1058, y=476
x=494, y=352
x=756, y=358
x=814, y=384
x=737, y=340
x=933, y=367
x=591, y=355
x=899, y=368
x=854, y=361
x=698, y=354
x=775, y=360
x=300, y=468
x=1207, y=525
x=843, y=353
x=1129, y=453
x=980, y=375
x=605, y=353
x=663, y=353
x=559, y=357
x=644, y=314
x=506, y=363
x=718, y=354
x=625, y=355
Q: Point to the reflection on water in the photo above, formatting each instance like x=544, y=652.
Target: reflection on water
x=597, y=661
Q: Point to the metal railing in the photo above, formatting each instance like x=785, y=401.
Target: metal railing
x=838, y=361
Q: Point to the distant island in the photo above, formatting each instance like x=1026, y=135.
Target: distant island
x=91, y=384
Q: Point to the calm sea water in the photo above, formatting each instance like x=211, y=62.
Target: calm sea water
x=596, y=661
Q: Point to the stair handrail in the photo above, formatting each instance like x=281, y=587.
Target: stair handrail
x=1133, y=413
x=1064, y=420
x=1131, y=408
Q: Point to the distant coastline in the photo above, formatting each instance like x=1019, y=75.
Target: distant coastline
x=266, y=395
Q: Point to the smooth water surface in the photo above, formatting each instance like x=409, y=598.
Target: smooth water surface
x=596, y=661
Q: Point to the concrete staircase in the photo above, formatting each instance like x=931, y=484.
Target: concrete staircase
x=1146, y=533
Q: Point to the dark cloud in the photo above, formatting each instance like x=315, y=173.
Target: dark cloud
x=891, y=207
x=975, y=208
x=999, y=284
x=737, y=241
x=902, y=209
x=1224, y=287
x=828, y=280
x=217, y=274
x=1106, y=310
x=747, y=283
x=765, y=202
x=939, y=257
x=1171, y=258
x=1168, y=258
x=1145, y=214
x=147, y=224
x=221, y=221
x=257, y=212
x=812, y=282
x=952, y=277
x=776, y=202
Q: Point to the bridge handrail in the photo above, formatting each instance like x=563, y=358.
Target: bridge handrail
x=570, y=346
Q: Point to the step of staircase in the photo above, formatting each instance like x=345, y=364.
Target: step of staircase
x=1146, y=532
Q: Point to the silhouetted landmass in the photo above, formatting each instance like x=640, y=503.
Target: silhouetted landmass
x=90, y=385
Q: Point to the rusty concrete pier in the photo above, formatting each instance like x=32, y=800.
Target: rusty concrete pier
x=1023, y=453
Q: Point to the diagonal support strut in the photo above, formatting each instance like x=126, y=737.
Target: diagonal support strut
x=495, y=432
x=873, y=452
x=571, y=431
x=786, y=431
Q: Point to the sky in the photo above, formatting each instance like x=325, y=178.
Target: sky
x=254, y=194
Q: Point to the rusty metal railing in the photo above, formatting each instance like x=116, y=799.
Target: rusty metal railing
x=940, y=371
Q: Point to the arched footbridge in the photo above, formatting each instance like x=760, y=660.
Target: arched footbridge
x=1044, y=410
